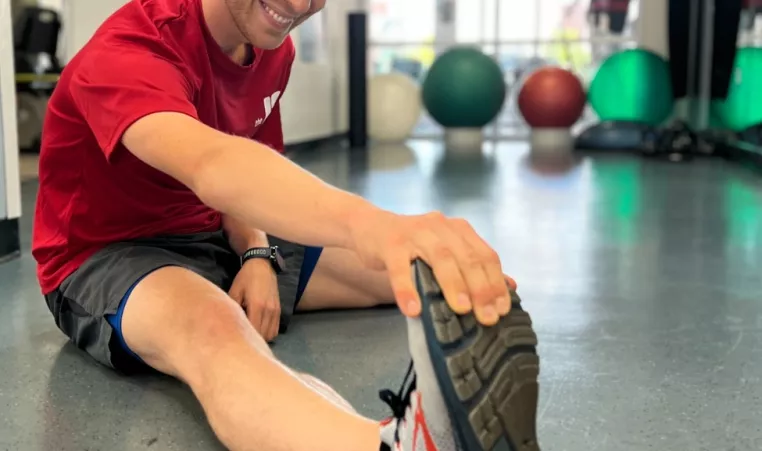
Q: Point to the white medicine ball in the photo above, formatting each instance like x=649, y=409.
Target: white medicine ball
x=394, y=107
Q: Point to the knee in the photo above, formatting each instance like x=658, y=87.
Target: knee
x=215, y=322
x=215, y=326
x=196, y=336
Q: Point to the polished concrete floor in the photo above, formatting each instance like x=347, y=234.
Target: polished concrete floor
x=643, y=278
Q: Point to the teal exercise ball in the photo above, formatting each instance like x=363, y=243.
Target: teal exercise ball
x=742, y=108
x=464, y=88
x=634, y=85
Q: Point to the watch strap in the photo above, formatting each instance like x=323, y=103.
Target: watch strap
x=271, y=253
x=256, y=252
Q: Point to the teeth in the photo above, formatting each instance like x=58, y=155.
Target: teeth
x=278, y=18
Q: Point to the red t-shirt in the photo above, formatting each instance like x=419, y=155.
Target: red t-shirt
x=150, y=56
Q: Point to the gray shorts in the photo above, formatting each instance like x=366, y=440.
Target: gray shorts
x=86, y=306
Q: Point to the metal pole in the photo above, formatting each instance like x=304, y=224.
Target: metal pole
x=537, y=12
x=358, y=79
x=704, y=97
x=498, y=52
x=693, y=24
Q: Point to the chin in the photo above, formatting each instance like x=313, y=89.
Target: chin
x=266, y=41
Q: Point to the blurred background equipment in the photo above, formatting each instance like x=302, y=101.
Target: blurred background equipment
x=394, y=107
x=35, y=45
x=520, y=37
x=610, y=15
x=632, y=86
x=30, y=113
x=742, y=107
x=552, y=100
x=463, y=92
x=36, y=33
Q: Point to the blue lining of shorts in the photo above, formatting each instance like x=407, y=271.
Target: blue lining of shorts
x=311, y=257
x=115, y=320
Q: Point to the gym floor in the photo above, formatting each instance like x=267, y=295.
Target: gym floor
x=642, y=278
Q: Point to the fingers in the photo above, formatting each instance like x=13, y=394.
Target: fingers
x=262, y=306
x=256, y=315
x=274, y=318
x=265, y=317
x=441, y=249
x=467, y=269
x=266, y=327
x=511, y=283
x=275, y=325
x=493, y=290
x=397, y=263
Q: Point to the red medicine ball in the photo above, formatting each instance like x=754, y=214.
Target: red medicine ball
x=552, y=98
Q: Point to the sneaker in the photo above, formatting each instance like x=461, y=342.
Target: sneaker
x=469, y=387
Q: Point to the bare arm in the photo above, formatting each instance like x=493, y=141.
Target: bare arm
x=247, y=180
x=241, y=236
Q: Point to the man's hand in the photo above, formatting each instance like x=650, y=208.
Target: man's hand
x=256, y=289
x=467, y=268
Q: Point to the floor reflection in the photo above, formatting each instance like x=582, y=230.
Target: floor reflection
x=643, y=279
x=642, y=276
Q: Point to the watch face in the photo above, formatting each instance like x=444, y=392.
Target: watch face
x=278, y=259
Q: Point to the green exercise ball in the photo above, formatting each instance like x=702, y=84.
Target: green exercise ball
x=633, y=86
x=464, y=88
x=743, y=106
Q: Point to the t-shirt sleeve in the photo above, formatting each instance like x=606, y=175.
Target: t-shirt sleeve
x=114, y=89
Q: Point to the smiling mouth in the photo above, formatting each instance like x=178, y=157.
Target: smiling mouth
x=275, y=16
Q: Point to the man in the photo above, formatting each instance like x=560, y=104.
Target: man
x=160, y=198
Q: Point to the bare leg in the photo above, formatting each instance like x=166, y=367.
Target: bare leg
x=340, y=281
x=184, y=326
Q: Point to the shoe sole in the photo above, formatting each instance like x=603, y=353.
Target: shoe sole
x=487, y=375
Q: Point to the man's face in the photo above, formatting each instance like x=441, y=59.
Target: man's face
x=266, y=23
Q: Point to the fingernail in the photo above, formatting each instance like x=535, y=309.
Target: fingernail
x=488, y=314
x=503, y=305
x=413, y=307
x=464, y=302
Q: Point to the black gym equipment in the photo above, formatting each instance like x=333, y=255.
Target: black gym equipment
x=37, y=70
x=35, y=45
x=703, y=39
x=615, y=11
x=686, y=46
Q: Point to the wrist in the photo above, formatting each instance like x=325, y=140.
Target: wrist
x=361, y=221
x=260, y=264
x=256, y=239
x=242, y=237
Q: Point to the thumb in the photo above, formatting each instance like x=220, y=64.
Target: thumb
x=511, y=283
x=403, y=287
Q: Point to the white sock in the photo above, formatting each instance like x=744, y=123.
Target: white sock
x=388, y=428
x=326, y=392
x=427, y=390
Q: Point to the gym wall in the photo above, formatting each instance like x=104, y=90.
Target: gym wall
x=315, y=103
x=80, y=20
x=10, y=185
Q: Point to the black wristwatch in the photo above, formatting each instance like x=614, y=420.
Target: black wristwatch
x=271, y=253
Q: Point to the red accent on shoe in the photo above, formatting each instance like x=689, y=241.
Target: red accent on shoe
x=420, y=426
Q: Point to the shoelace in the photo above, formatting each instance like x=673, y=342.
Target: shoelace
x=399, y=401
